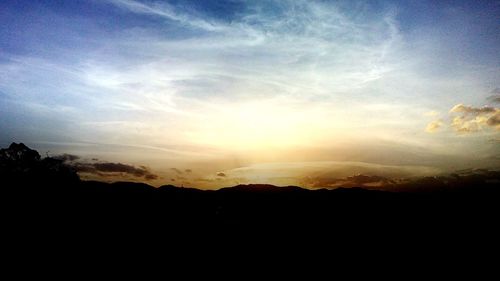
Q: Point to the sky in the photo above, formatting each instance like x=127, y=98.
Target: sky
x=217, y=93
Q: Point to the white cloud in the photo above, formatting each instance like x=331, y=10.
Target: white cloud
x=309, y=73
x=472, y=110
x=433, y=126
x=473, y=119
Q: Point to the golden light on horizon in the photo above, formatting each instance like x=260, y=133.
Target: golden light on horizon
x=262, y=125
x=169, y=85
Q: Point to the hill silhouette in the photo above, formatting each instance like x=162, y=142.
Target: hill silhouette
x=46, y=193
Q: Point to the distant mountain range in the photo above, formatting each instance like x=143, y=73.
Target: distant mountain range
x=36, y=190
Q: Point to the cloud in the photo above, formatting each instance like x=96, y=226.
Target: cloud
x=203, y=180
x=358, y=180
x=181, y=82
x=169, y=74
x=496, y=95
x=150, y=176
x=221, y=174
x=494, y=120
x=106, y=169
x=67, y=157
x=364, y=179
x=112, y=168
x=176, y=170
x=167, y=11
x=475, y=178
x=472, y=110
x=434, y=126
x=495, y=99
x=473, y=119
x=459, y=179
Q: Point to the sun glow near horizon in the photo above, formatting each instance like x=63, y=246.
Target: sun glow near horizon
x=262, y=125
x=216, y=87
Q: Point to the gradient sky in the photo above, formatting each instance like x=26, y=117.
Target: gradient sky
x=214, y=93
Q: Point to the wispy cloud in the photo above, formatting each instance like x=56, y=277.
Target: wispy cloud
x=259, y=56
x=360, y=180
x=106, y=169
x=167, y=11
x=177, y=171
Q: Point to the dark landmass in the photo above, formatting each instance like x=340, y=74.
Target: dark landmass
x=44, y=194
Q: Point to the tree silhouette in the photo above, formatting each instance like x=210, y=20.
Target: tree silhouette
x=21, y=165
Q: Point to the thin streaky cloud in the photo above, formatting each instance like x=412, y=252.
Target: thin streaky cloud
x=186, y=83
x=165, y=10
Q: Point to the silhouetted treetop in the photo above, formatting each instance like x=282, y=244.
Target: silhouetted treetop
x=20, y=164
x=20, y=153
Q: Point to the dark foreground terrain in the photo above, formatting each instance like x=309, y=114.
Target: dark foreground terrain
x=44, y=199
x=248, y=205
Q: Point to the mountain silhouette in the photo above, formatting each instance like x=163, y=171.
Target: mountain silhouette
x=45, y=193
x=260, y=188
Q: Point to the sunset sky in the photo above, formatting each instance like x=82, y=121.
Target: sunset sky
x=215, y=93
